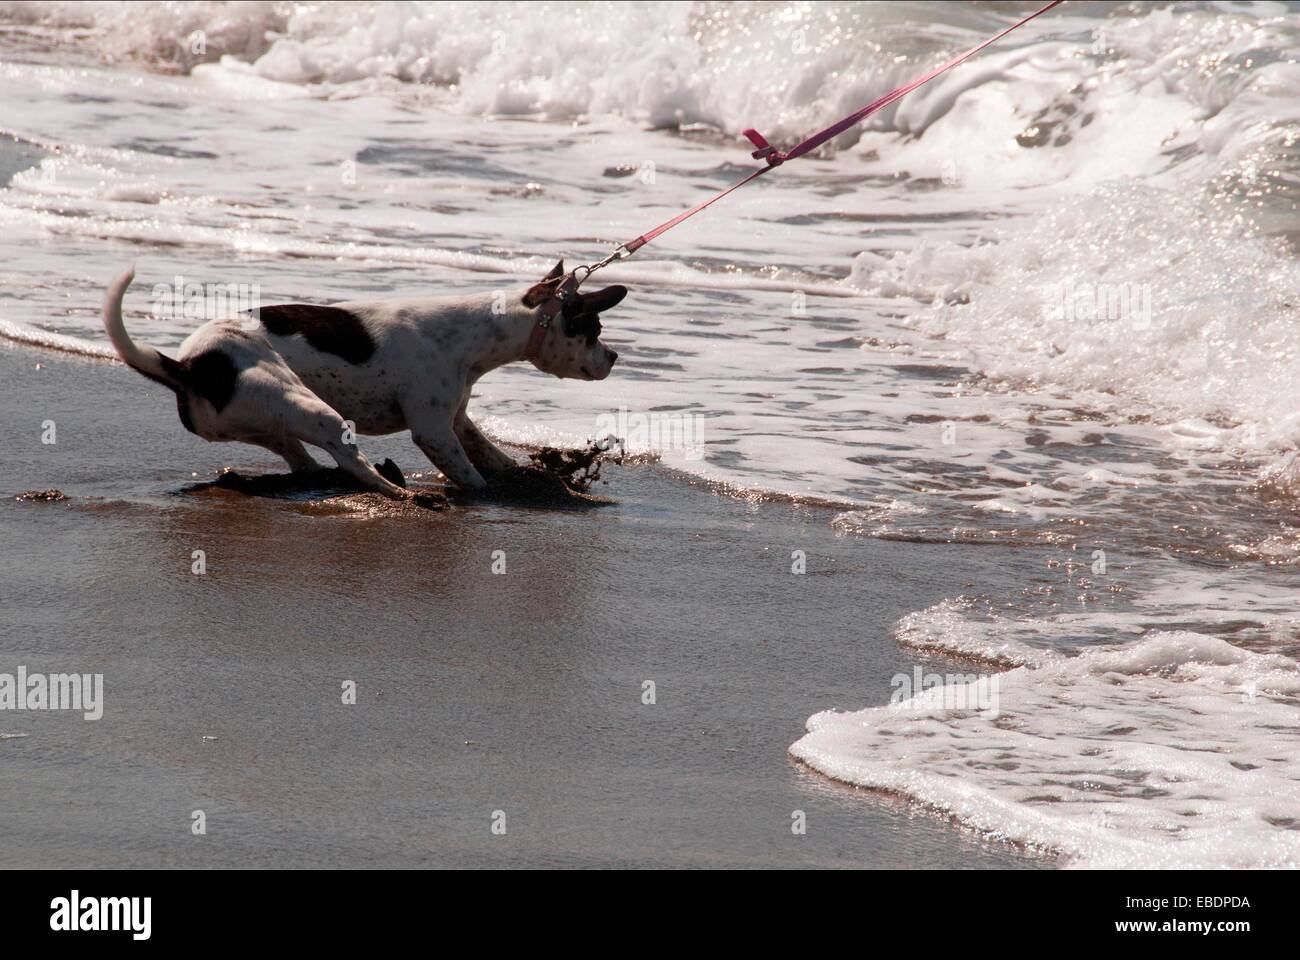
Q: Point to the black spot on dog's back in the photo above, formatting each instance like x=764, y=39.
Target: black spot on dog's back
x=328, y=329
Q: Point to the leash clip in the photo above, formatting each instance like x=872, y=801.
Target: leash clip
x=620, y=252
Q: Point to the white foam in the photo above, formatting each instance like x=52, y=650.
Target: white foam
x=1142, y=199
x=1175, y=752
x=659, y=64
x=36, y=337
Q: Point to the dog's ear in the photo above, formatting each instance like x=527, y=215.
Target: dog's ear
x=539, y=293
x=602, y=300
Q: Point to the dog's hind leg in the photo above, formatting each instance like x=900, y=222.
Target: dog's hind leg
x=294, y=453
x=306, y=418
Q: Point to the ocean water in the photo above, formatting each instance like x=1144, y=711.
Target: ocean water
x=1050, y=301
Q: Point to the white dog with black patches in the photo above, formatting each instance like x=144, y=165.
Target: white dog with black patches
x=302, y=374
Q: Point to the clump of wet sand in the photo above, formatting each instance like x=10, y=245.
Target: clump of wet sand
x=556, y=479
x=42, y=496
x=579, y=469
x=322, y=481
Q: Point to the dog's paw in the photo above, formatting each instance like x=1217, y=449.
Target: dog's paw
x=392, y=473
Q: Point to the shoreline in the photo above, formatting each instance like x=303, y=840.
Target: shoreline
x=475, y=693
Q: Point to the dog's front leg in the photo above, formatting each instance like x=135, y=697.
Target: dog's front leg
x=431, y=429
x=446, y=453
x=482, y=452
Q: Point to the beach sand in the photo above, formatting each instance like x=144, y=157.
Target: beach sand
x=476, y=692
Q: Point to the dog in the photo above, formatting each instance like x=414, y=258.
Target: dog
x=299, y=374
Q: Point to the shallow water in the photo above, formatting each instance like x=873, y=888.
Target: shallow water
x=522, y=692
x=907, y=327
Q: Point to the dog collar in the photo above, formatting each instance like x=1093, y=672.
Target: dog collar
x=547, y=313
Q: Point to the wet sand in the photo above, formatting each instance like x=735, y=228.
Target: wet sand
x=476, y=692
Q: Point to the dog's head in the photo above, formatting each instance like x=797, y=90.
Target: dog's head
x=572, y=347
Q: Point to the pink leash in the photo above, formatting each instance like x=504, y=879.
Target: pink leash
x=765, y=151
x=775, y=157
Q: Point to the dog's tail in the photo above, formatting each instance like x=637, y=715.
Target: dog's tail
x=146, y=360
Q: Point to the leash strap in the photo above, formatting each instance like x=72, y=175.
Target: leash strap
x=774, y=157
x=568, y=285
